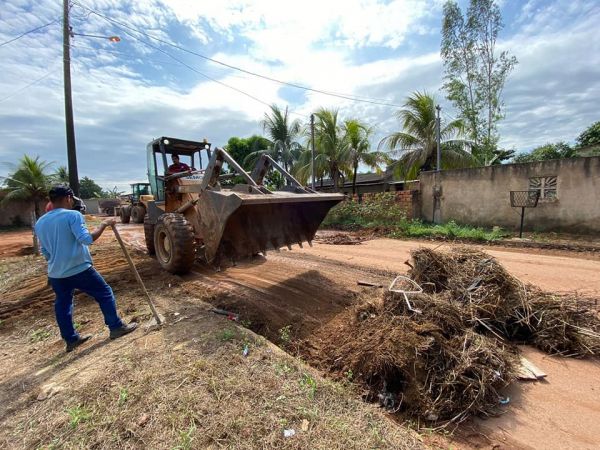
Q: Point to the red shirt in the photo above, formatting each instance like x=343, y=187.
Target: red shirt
x=49, y=206
x=178, y=168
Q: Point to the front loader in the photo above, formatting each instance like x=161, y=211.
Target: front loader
x=193, y=216
x=135, y=207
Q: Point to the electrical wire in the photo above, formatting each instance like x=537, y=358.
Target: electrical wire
x=29, y=32
x=230, y=66
x=28, y=86
x=193, y=69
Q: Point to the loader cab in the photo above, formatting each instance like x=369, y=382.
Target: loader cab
x=139, y=189
x=159, y=151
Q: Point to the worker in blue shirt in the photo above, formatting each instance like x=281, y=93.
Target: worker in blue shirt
x=64, y=240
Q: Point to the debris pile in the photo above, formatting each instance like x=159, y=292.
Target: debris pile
x=452, y=360
x=492, y=299
x=340, y=239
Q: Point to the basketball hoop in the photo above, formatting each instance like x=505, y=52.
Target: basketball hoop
x=524, y=199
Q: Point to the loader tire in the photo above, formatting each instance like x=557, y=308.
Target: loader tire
x=149, y=235
x=125, y=214
x=174, y=243
x=137, y=214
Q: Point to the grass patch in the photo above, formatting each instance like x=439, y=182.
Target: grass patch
x=77, y=415
x=39, y=335
x=382, y=211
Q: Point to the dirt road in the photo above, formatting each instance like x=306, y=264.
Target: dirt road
x=305, y=288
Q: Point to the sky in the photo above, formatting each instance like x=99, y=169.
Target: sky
x=125, y=94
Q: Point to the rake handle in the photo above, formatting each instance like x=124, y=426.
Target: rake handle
x=137, y=275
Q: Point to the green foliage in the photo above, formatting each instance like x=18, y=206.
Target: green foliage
x=123, y=396
x=110, y=193
x=416, y=144
x=186, y=438
x=449, y=230
x=77, y=415
x=29, y=181
x=309, y=383
x=545, y=152
x=227, y=334
x=333, y=155
x=88, y=188
x=377, y=210
x=283, y=134
x=240, y=148
x=382, y=210
x=475, y=73
x=61, y=175
x=39, y=335
x=357, y=138
x=285, y=334
x=591, y=136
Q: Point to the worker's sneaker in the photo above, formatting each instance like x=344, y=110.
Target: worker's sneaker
x=125, y=329
x=73, y=345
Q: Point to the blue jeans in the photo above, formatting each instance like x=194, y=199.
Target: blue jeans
x=92, y=283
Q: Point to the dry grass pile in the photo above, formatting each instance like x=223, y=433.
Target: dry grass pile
x=493, y=300
x=453, y=359
x=431, y=366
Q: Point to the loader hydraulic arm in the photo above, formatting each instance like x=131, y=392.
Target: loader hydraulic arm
x=215, y=165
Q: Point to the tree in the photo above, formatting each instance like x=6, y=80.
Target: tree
x=474, y=73
x=88, y=188
x=332, y=151
x=589, y=137
x=417, y=143
x=283, y=134
x=356, y=137
x=62, y=175
x=558, y=150
x=241, y=148
x=110, y=193
x=29, y=182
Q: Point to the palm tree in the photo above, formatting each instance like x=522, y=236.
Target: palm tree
x=332, y=154
x=30, y=183
x=62, y=175
x=417, y=145
x=357, y=136
x=283, y=135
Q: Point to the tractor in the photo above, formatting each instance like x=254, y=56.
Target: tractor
x=193, y=215
x=135, y=206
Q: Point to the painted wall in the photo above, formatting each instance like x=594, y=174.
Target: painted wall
x=481, y=196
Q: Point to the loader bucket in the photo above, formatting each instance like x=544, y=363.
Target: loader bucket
x=237, y=225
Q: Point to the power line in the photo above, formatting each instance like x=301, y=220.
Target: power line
x=97, y=50
x=230, y=66
x=197, y=71
x=29, y=32
x=27, y=86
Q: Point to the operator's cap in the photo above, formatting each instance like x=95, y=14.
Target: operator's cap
x=60, y=191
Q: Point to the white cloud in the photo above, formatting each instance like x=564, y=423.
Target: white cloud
x=127, y=94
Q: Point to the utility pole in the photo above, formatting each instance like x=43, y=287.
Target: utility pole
x=70, y=128
x=312, y=153
x=438, y=167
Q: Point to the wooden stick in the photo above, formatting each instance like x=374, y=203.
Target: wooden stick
x=369, y=283
x=137, y=275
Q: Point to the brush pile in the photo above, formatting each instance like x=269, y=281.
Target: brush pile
x=452, y=360
x=340, y=239
x=492, y=299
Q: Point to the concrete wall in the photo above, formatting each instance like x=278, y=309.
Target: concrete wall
x=481, y=196
x=15, y=213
